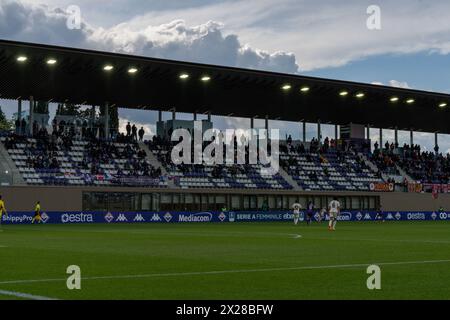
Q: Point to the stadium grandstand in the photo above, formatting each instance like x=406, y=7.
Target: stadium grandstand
x=82, y=162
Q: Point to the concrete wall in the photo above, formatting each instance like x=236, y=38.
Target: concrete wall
x=23, y=198
x=400, y=201
x=52, y=198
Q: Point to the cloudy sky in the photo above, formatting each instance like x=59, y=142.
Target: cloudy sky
x=325, y=38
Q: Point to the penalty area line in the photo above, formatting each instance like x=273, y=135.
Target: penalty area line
x=202, y=273
x=24, y=295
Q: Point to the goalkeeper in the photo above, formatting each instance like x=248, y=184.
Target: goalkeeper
x=2, y=210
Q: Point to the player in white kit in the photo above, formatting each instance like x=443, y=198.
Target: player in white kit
x=334, y=210
x=296, y=207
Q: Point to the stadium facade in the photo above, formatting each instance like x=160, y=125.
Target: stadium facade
x=136, y=176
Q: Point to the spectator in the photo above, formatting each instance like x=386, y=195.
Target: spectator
x=128, y=128
x=134, y=132
x=141, y=134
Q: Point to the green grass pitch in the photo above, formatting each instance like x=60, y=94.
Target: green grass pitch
x=227, y=261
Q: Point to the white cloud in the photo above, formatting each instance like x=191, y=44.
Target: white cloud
x=319, y=33
x=394, y=83
x=203, y=43
x=399, y=84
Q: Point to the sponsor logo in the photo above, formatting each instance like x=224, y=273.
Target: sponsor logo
x=416, y=216
x=390, y=216
x=231, y=216
x=359, y=216
x=195, y=217
x=109, y=217
x=121, y=218
x=382, y=187
x=76, y=218
x=156, y=217
x=288, y=216
x=44, y=217
x=434, y=216
x=443, y=216
x=139, y=218
x=17, y=219
x=168, y=217
x=344, y=216
x=398, y=216
x=367, y=217
x=222, y=216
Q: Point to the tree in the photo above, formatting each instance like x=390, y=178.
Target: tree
x=5, y=124
x=67, y=109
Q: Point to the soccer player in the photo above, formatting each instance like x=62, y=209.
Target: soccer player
x=296, y=207
x=322, y=215
x=309, y=212
x=37, y=213
x=2, y=210
x=334, y=210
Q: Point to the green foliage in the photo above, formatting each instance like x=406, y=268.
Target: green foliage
x=68, y=109
x=5, y=124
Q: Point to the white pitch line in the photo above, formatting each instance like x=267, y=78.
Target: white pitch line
x=178, y=233
x=201, y=273
x=24, y=295
x=384, y=240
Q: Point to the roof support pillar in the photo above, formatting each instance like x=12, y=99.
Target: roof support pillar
x=411, y=137
x=195, y=115
x=304, y=131
x=174, y=114
x=381, y=140
x=92, y=120
x=19, y=109
x=368, y=132
x=209, y=116
x=159, y=115
x=396, y=136
x=436, y=142
x=267, y=123
x=252, y=123
x=19, y=129
x=336, y=135
x=31, y=118
x=106, y=120
x=319, y=132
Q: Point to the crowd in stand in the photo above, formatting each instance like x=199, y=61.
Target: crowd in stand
x=318, y=153
x=163, y=148
x=386, y=162
x=426, y=167
x=42, y=151
x=429, y=167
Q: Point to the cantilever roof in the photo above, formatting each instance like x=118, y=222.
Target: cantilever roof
x=78, y=77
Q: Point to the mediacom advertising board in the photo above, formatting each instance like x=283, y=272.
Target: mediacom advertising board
x=208, y=217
